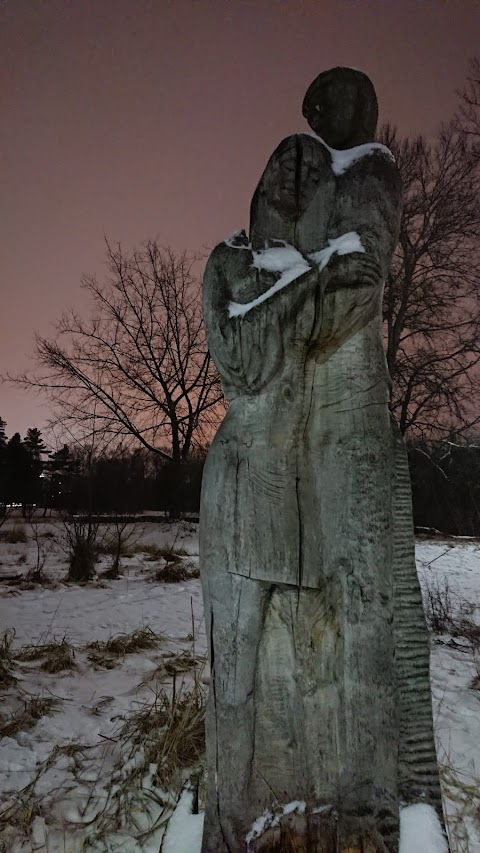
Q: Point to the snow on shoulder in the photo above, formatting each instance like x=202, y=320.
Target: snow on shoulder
x=420, y=830
x=343, y=159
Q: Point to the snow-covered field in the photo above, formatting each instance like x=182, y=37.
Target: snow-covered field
x=75, y=771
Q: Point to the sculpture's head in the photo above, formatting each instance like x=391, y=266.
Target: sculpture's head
x=341, y=107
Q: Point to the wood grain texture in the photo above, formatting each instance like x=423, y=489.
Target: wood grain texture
x=318, y=647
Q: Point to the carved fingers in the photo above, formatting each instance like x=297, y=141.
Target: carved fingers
x=354, y=270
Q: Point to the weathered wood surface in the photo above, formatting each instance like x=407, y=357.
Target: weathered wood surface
x=318, y=647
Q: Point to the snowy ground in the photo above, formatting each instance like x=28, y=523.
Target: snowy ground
x=77, y=779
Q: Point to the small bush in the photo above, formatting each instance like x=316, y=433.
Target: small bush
x=447, y=613
x=14, y=536
x=439, y=606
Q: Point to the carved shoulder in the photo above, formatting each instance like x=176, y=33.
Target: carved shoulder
x=291, y=178
x=369, y=201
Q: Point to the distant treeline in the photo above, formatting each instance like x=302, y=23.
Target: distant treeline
x=445, y=481
x=79, y=480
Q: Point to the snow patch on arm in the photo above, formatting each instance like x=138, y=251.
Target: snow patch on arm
x=344, y=245
x=280, y=259
x=420, y=830
x=232, y=238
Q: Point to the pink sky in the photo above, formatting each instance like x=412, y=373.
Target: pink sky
x=155, y=118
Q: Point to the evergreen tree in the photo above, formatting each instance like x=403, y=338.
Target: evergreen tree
x=3, y=459
x=19, y=472
x=36, y=447
x=60, y=469
x=3, y=435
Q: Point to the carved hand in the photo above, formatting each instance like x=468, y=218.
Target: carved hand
x=357, y=269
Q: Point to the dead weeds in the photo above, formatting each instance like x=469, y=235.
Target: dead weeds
x=27, y=716
x=172, y=665
x=171, y=731
x=172, y=573
x=184, y=662
x=59, y=656
x=168, y=553
x=107, y=653
x=7, y=678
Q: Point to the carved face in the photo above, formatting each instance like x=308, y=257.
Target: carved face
x=334, y=115
x=341, y=107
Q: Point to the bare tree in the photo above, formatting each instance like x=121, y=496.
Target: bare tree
x=432, y=295
x=469, y=114
x=139, y=367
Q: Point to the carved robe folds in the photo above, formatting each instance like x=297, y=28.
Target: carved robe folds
x=319, y=655
x=306, y=376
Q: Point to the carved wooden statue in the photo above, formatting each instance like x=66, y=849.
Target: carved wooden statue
x=319, y=725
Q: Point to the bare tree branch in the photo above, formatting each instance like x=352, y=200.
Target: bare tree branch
x=432, y=295
x=138, y=368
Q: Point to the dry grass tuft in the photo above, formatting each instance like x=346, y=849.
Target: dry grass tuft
x=475, y=683
x=71, y=750
x=171, y=732
x=59, y=656
x=27, y=716
x=22, y=809
x=173, y=573
x=168, y=553
x=173, y=665
x=107, y=653
x=463, y=789
x=7, y=679
x=184, y=662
